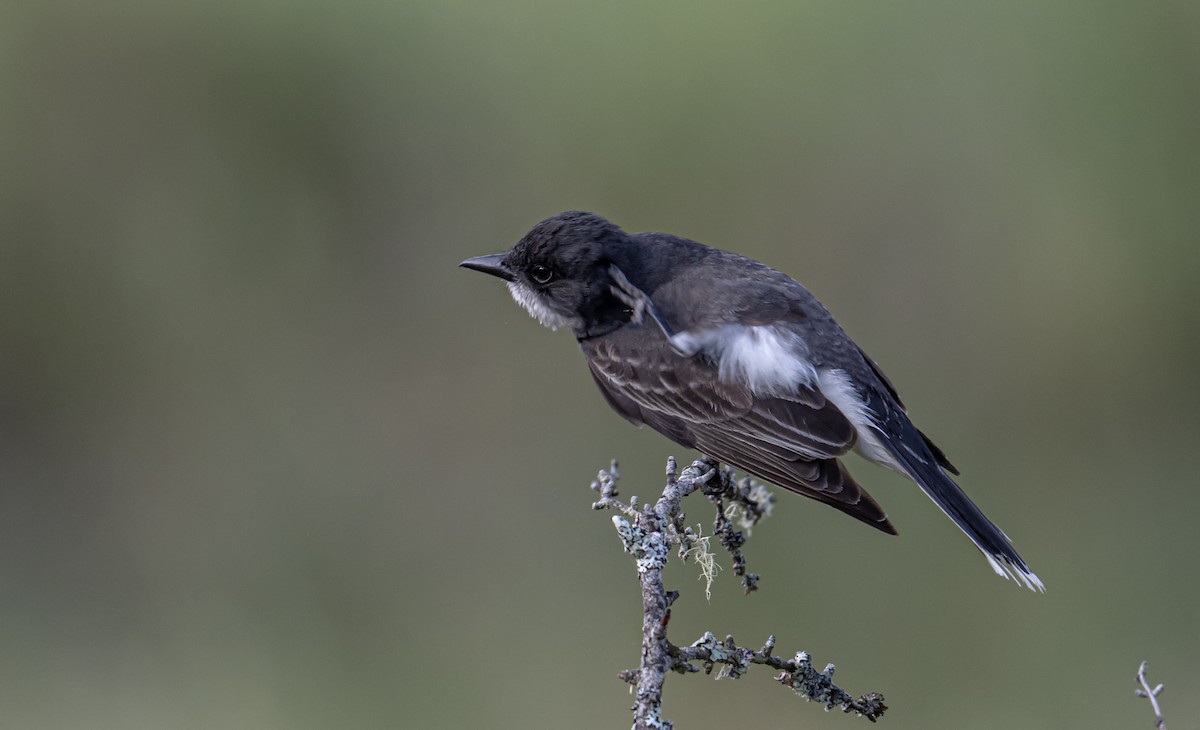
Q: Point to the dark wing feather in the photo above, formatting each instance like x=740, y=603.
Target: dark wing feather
x=825, y=480
x=793, y=442
x=891, y=389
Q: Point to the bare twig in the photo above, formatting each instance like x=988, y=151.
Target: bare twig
x=1144, y=690
x=648, y=532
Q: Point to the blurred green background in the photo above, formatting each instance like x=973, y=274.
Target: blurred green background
x=268, y=459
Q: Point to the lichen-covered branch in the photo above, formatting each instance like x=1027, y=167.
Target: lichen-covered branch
x=746, y=500
x=1144, y=690
x=649, y=532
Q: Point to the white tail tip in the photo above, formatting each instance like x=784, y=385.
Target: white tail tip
x=1005, y=569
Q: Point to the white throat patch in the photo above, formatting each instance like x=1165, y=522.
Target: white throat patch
x=536, y=305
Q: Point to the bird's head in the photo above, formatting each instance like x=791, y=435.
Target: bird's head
x=559, y=271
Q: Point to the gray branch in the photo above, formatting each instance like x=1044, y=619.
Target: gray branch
x=648, y=532
x=1144, y=690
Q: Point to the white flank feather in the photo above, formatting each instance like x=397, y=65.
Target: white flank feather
x=770, y=359
x=836, y=386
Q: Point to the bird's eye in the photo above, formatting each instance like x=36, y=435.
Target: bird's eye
x=541, y=274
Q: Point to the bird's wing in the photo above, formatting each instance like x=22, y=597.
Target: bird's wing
x=792, y=439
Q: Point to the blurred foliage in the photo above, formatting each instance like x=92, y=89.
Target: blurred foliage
x=268, y=459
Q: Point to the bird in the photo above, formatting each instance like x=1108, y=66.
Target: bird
x=725, y=355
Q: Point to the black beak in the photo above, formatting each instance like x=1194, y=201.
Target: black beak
x=491, y=264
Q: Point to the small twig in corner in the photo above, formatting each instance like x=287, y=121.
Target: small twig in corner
x=1144, y=690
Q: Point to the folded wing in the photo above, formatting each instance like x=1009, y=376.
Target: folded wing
x=793, y=440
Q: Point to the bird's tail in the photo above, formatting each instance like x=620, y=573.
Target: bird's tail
x=914, y=452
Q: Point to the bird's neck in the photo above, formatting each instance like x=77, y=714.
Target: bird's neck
x=598, y=329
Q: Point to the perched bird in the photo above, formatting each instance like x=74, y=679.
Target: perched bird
x=725, y=355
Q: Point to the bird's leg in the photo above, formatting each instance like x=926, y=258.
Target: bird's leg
x=640, y=305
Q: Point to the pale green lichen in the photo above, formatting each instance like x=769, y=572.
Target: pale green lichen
x=756, y=503
x=700, y=551
x=650, y=550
